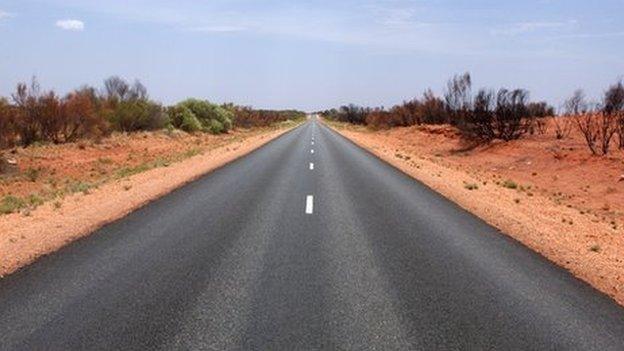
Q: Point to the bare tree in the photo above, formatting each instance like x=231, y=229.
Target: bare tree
x=510, y=120
x=458, y=97
x=614, y=107
x=597, y=128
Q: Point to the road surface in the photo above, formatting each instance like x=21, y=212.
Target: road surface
x=307, y=243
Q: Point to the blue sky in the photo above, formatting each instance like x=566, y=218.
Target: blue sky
x=313, y=54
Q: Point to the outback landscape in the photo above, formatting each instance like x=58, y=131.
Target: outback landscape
x=554, y=182
x=311, y=175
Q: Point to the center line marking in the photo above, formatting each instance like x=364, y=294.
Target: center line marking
x=312, y=142
x=311, y=166
x=312, y=151
x=309, y=204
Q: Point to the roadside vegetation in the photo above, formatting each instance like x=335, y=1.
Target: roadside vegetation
x=54, y=145
x=487, y=115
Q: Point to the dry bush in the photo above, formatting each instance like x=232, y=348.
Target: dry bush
x=563, y=126
x=380, y=119
x=478, y=124
x=432, y=109
x=349, y=113
x=38, y=115
x=511, y=119
x=614, y=107
x=457, y=98
x=597, y=128
x=82, y=115
x=247, y=117
x=7, y=124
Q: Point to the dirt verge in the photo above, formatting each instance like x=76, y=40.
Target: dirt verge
x=548, y=194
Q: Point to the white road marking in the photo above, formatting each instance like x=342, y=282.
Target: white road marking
x=312, y=151
x=312, y=142
x=311, y=166
x=309, y=204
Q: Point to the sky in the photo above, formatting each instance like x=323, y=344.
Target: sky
x=315, y=54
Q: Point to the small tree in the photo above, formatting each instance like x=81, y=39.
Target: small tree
x=457, y=98
x=563, y=126
x=614, y=107
x=511, y=118
x=597, y=128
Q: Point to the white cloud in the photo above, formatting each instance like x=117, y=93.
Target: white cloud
x=4, y=15
x=70, y=24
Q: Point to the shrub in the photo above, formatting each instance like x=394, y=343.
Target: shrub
x=82, y=115
x=511, y=119
x=478, y=124
x=37, y=114
x=381, y=119
x=432, y=109
x=563, y=126
x=135, y=115
x=129, y=108
x=7, y=124
x=597, y=128
x=510, y=184
x=182, y=118
x=247, y=117
x=614, y=107
x=348, y=113
x=540, y=110
x=10, y=204
x=457, y=98
x=213, y=118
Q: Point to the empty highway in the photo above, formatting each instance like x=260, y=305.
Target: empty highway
x=308, y=243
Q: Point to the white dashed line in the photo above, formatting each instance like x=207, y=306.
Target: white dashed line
x=309, y=204
x=312, y=142
x=311, y=166
x=312, y=151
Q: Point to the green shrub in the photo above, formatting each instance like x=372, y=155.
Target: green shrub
x=135, y=115
x=183, y=118
x=10, y=204
x=213, y=118
x=216, y=127
x=510, y=184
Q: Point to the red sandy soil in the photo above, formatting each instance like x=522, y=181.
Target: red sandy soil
x=568, y=205
x=36, y=231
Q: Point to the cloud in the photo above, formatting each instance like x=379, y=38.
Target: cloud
x=70, y=24
x=527, y=27
x=4, y=15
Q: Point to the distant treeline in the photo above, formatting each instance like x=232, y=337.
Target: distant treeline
x=486, y=115
x=33, y=115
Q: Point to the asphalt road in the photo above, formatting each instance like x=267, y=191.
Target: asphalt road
x=269, y=254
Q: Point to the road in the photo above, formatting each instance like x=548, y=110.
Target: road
x=293, y=249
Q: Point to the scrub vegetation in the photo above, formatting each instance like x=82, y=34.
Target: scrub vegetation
x=32, y=115
x=487, y=115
